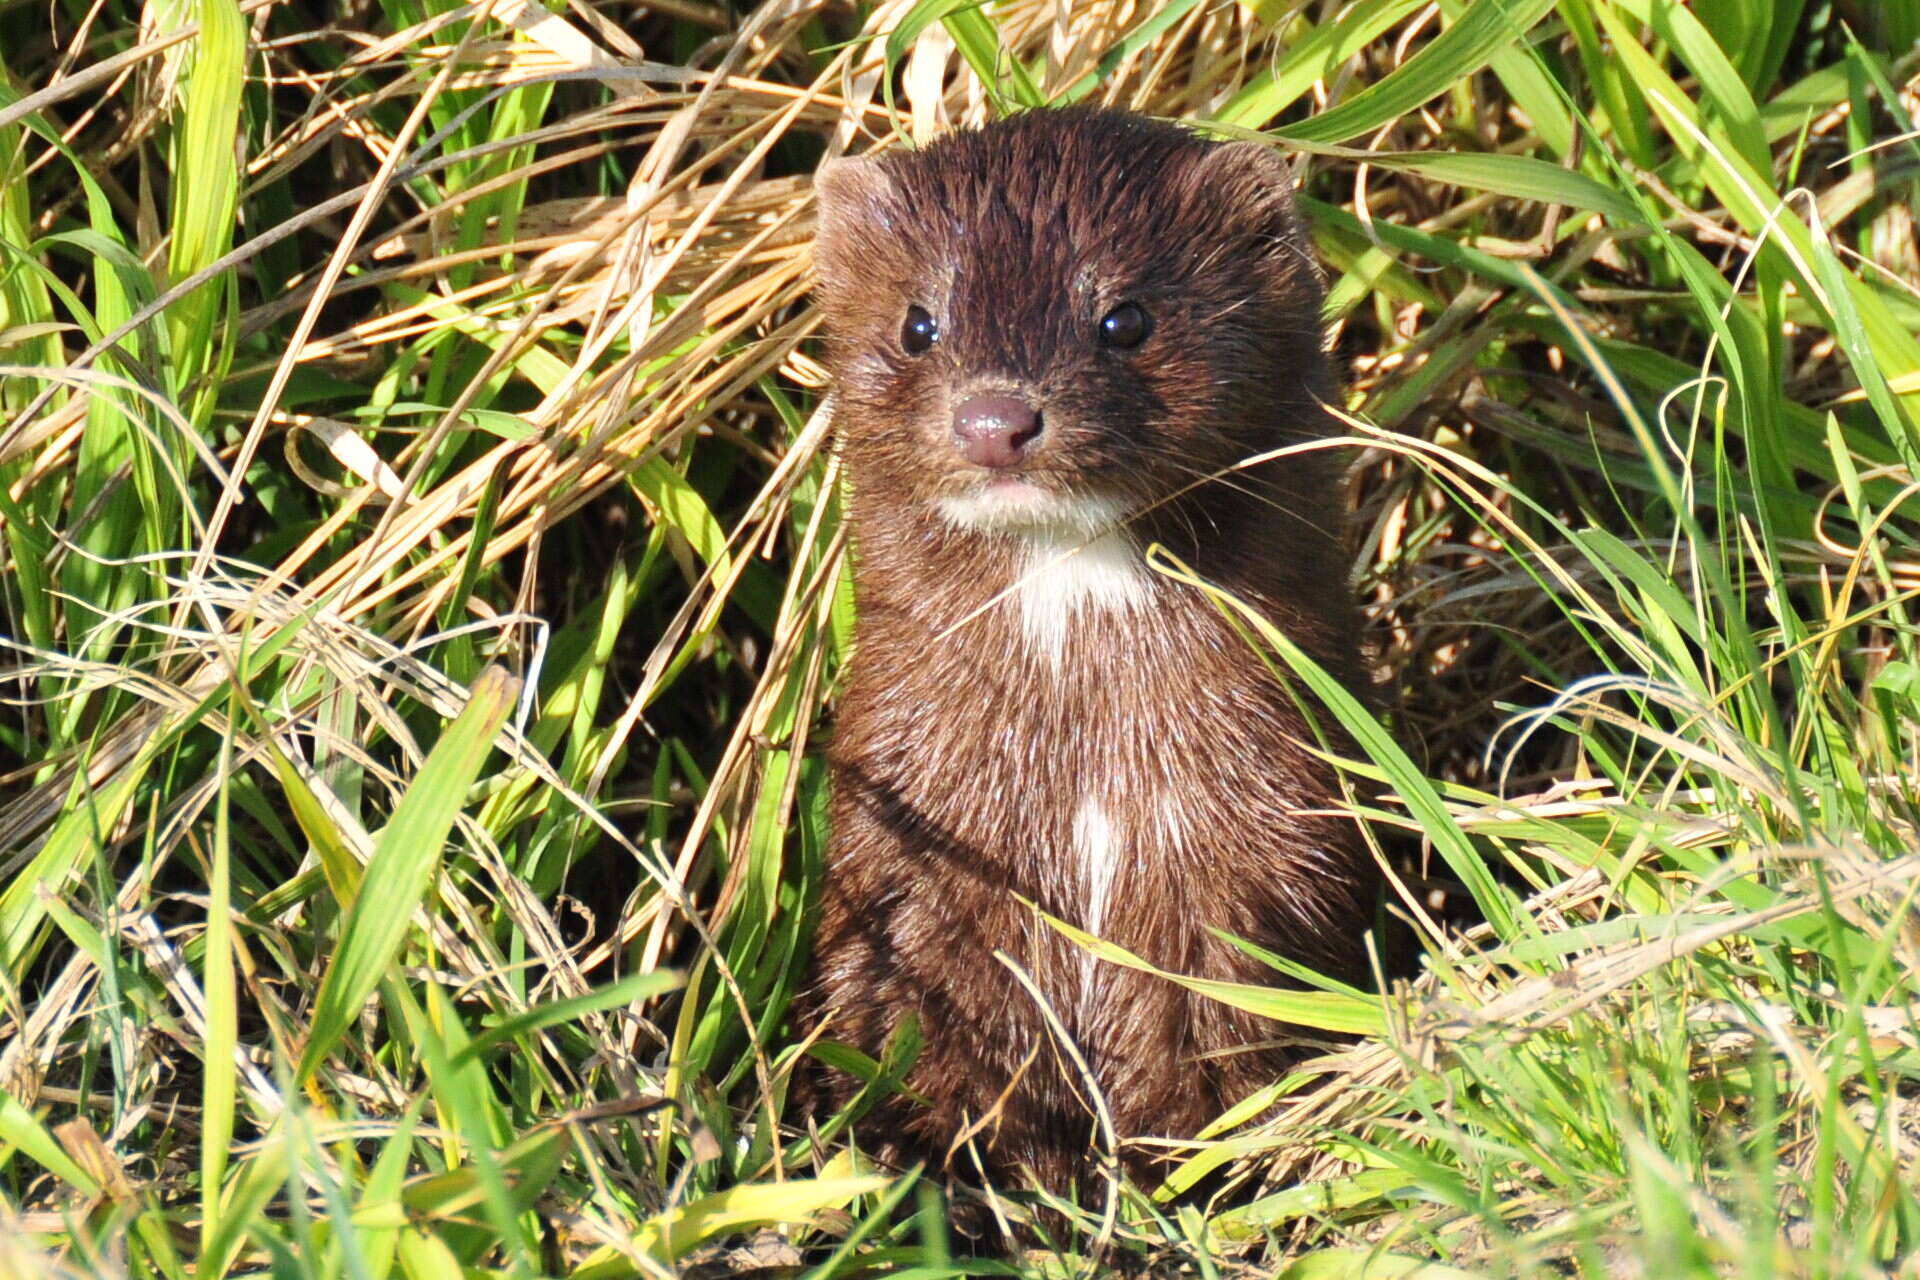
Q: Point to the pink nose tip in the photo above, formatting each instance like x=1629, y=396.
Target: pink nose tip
x=995, y=430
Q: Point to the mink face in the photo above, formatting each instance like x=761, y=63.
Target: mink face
x=1048, y=324
x=1047, y=337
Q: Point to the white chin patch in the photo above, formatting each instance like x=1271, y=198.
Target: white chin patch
x=1077, y=561
x=1014, y=506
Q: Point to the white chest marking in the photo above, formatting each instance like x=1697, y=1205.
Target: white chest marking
x=1065, y=574
x=1093, y=840
x=1074, y=556
x=1098, y=850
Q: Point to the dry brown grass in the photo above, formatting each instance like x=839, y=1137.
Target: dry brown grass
x=629, y=282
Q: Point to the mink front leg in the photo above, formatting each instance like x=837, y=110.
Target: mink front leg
x=909, y=922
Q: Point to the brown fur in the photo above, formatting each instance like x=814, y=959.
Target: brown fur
x=964, y=757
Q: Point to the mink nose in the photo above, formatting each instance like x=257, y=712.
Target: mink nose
x=995, y=430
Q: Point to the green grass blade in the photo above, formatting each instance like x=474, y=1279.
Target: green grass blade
x=1331, y=1011
x=223, y=1021
x=1463, y=48
x=632, y=989
x=1317, y=55
x=1419, y=795
x=671, y=1234
x=404, y=861
x=22, y=1131
x=206, y=183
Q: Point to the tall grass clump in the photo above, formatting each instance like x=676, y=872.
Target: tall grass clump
x=424, y=584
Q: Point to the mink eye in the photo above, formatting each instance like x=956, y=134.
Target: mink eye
x=919, y=332
x=1125, y=326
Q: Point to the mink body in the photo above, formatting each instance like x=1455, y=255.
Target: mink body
x=1042, y=333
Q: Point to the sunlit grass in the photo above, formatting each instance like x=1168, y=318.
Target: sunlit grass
x=348, y=365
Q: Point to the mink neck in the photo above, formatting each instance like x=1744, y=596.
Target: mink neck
x=1256, y=538
x=1244, y=532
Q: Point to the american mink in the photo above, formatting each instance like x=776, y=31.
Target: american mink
x=1042, y=334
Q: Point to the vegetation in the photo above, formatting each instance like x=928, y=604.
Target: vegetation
x=423, y=582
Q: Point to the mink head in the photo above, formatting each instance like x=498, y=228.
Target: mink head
x=1062, y=319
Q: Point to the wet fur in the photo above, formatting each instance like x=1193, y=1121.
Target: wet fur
x=1129, y=766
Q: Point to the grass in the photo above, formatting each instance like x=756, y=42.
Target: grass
x=412, y=484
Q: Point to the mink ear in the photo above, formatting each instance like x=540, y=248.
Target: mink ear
x=1254, y=183
x=857, y=199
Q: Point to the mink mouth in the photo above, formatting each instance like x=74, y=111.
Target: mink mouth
x=1014, y=503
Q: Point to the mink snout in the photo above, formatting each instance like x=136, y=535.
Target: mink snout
x=995, y=430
